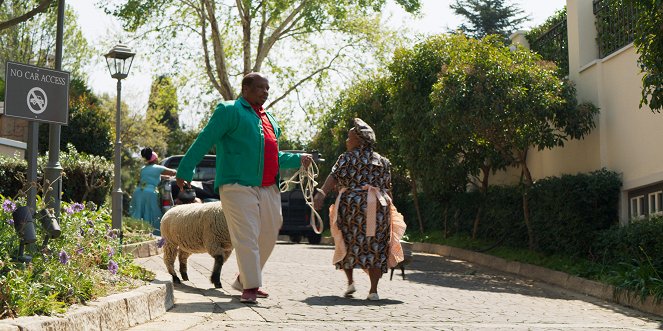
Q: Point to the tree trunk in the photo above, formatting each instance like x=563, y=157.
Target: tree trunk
x=483, y=189
x=413, y=187
x=526, y=187
x=446, y=220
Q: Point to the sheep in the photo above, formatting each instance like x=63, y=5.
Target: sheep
x=195, y=228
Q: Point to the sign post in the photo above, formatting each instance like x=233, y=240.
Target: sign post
x=38, y=95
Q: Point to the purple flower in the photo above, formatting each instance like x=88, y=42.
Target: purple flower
x=161, y=242
x=10, y=221
x=77, y=207
x=64, y=257
x=81, y=232
x=69, y=210
x=79, y=249
x=8, y=206
x=90, y=223
x=111, y=251
x=112, y=267
x=111, y=234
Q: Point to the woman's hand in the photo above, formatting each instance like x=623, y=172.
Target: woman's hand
x=318, y=199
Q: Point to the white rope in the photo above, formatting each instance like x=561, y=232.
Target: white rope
x=305, y=177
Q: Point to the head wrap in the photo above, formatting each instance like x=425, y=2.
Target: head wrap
x=153, y=157
x=364, y=131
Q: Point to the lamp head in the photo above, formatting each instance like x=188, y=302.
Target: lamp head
x=49, y=223
x=119, y=60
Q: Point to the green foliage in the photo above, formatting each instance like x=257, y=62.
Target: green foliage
x=13, y=172
x=648, y=41
x=89, y=129
x=637, y=249
x=135, y=231
x=590, y=205
x=86, y=177
x=162, y=104
x=550, y=40
x=33, y=41
x=615, y=25
x=72, y=269
x=486, y=17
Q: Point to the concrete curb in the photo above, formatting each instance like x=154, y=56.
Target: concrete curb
x=143, y=249
x=560, y=279
x=115, y=312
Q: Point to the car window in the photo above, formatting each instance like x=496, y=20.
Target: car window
x=204, y=171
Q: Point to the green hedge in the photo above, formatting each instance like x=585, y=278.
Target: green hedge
x=85, y=177
x=567, y=212
x=640, y=241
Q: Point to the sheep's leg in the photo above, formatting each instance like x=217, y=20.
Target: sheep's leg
x=169, y=255
x=216, y=271
x=183, y=257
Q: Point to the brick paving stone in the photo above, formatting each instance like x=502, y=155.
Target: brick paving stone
x=437, y=294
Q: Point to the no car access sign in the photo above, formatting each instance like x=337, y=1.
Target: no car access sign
x=36, y=94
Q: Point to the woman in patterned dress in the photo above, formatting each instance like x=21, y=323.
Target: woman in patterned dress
x=360, y=218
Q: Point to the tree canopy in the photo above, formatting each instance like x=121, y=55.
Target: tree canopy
x=304, y=43
x=16, y=12
x=648, y=40
x=487, y=17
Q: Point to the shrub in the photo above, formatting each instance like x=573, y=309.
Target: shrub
x=83, y=263
x=85, y=177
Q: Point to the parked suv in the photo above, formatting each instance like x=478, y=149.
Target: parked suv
x=296, y=214
x=202, y=181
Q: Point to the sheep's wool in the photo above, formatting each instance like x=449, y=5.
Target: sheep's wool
x=197, y=228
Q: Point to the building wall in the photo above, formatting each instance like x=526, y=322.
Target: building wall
x=13, y=134
x=625, y=137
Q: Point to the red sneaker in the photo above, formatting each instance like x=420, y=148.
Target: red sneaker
x=249, y=296
x=261, y=294
x=237, y=285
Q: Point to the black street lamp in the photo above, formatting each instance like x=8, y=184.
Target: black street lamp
x=119, y=60
x=25, y=229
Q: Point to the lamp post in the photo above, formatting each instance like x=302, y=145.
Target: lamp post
x=119, y=60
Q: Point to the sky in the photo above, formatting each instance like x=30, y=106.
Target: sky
x=102, y=30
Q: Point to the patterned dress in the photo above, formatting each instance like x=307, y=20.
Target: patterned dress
x=353, y=170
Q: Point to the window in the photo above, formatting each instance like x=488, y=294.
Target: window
x=655, y=207
x=638, y=206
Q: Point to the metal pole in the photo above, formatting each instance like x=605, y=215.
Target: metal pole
x=117, y=176
x=53, y=170
x=32, y=152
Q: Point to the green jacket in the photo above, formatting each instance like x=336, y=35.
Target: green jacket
x=236, y=130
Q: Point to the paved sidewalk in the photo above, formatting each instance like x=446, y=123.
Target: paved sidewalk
x=437, y=294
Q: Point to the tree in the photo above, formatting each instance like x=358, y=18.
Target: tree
x=369, y=100
x=33, y=42
x=22, y=11
x=242, y=36
x=487, y=17
x=648, y=40
x=509, y=101
x=89, y=128
x=162, y=104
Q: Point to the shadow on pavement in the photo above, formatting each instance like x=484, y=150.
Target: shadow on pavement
x=330, y=300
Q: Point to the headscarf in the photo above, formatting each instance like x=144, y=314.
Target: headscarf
x=364, y=131
x=153, y=157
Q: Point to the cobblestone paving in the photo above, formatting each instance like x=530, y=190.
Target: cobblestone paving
x=437, y=294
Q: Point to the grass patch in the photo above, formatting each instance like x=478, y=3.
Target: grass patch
x=574, y=266
x=136, y=231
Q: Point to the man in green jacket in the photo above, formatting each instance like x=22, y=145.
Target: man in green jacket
x=247, y=177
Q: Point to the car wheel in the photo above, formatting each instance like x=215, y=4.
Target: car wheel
x=314, y=238
x=296, y=239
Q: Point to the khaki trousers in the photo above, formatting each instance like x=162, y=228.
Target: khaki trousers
x=254, y=218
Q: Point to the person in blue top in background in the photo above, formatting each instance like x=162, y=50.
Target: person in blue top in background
x=145, y=200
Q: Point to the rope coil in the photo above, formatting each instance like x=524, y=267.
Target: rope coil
x=305, y=178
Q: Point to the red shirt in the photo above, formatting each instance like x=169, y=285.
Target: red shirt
x=271, y=164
